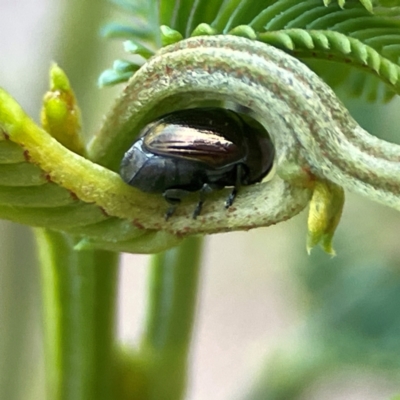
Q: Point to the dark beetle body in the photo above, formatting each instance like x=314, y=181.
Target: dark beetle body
x=194, y=149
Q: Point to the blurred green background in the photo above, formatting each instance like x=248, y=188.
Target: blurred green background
x=272, y=322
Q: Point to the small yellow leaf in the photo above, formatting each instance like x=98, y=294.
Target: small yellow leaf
x=325, y=211
x=60, y=114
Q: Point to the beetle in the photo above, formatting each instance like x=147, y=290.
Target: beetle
x=199, y=149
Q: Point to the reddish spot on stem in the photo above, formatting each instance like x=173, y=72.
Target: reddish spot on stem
x=73, y=195
x=27, y=156
x=310, y=176
x=182, y=232
x=48, y=177
x=168, y=70
x=104, y=212
x=136, y=223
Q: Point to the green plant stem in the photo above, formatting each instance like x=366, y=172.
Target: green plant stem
x=78, y=296
x=172, y=300
x=18, y=286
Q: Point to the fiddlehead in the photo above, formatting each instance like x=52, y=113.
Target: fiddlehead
x=310, y=127
x=317, y=142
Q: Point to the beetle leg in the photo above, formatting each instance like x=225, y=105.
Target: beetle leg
x=174, y=198
x=238, y=183
x=170, y=211
x=207, y=188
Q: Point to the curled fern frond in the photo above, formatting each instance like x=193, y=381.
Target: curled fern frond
x=86, y=198
x=29, y=196
x=36, y=173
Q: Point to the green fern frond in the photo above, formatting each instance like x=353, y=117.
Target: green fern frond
x=366, y=3
x=334, y=46
x=306, y=15
x=142, y=16
x=233, y=13
x=377, y=34
x=367, y=40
